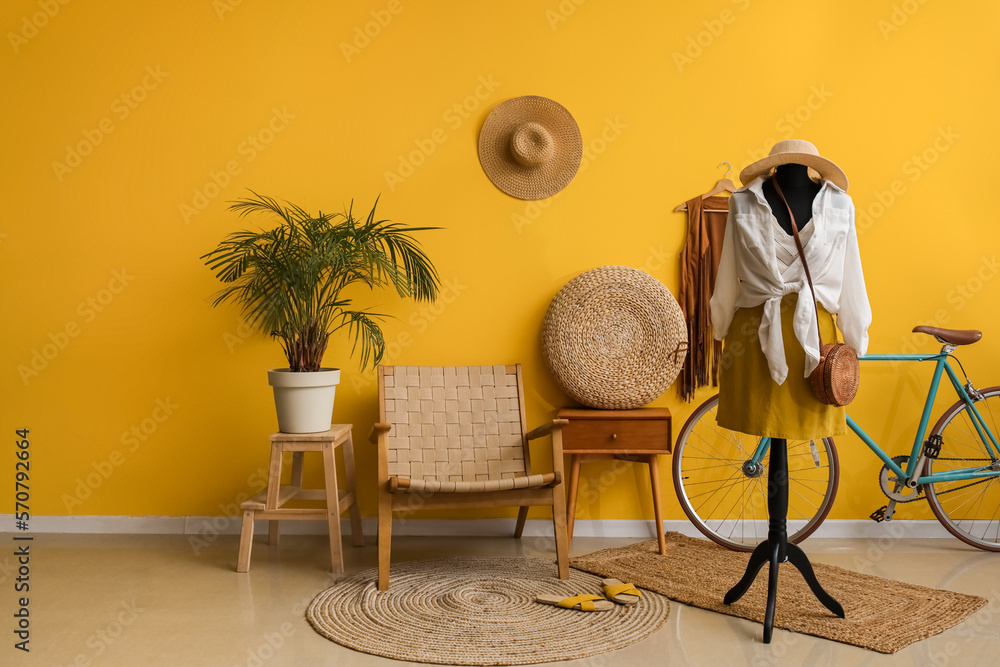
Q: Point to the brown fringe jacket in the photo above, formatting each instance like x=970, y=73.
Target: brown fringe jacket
x=699, y=265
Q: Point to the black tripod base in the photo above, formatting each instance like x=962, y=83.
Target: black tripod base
x=770, y=552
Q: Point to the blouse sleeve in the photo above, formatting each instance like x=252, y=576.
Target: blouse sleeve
x=727, y=285
x=854, y=313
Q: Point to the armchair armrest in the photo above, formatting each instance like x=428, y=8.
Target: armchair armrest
x=378, y=429
x=545, y=429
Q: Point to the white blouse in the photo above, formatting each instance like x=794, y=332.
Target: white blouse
x=750, y=274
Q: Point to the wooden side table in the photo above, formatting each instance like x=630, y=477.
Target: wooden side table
x=628, y=435
x=269, y=503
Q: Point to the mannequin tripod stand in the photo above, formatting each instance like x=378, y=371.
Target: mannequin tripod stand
x=776, y=549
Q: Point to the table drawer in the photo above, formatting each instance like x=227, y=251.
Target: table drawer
x=610, y=435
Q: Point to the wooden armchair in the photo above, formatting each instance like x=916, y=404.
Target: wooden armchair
x=456, y=437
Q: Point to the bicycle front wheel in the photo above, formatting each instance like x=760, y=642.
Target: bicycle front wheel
x=968, y=508
x=724, y=492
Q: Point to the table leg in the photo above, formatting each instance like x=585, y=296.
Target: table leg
x=273, y=488
x=297, y=469
x=574, y=483
x=357, y=536
x=654, y=481
x=333, y=507
x=274, y=476
x=246, y=542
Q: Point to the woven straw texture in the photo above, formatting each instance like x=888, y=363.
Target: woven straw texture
x=882, y=615
x=835, y=381
x=530, y=147
x=456, y=428
x=614, y=337
x=477, y=611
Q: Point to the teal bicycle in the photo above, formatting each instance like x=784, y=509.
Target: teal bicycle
x=720, y=476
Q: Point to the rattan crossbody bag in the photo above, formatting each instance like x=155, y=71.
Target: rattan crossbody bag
x=835, y=380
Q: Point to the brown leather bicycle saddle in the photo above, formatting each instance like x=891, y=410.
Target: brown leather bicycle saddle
x=951, y=336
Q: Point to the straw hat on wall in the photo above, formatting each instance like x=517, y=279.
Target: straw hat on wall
x=530, y=147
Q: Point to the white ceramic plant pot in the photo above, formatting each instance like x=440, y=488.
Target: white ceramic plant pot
x=304, y=400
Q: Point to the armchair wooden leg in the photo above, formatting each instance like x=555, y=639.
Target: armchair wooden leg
x=384, y=537
x=559, y=526
x=522, y=516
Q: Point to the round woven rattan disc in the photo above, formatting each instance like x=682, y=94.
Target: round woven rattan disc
x=478, y=611
x=614, y=338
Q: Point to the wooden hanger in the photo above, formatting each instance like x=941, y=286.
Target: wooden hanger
x=724, y=185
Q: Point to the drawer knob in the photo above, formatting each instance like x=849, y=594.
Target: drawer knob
x=614, y=436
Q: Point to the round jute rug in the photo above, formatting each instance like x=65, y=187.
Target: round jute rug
x=477, y=611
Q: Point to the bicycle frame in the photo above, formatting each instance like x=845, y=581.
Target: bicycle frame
x=988, y=438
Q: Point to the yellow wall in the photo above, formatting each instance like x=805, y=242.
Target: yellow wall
x=99, y=261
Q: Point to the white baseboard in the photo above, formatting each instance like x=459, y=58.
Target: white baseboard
x=618, y=528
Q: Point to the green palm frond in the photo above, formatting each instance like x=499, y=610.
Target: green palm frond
x=288, y=280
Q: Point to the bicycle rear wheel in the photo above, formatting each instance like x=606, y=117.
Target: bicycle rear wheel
x=969, y=509
x=725, y=495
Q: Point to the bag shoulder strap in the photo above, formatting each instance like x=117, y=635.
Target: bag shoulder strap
x=802, y=254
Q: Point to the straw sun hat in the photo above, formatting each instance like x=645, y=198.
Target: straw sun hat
x=796, y=151
x=530, y=147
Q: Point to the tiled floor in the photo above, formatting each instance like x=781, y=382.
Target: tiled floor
x=172, y=600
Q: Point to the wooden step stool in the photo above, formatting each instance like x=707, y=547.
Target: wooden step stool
x=269, y=504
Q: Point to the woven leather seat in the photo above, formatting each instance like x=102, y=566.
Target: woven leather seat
x=456, y=437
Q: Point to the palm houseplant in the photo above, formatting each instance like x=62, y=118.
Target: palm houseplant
x=292, y=282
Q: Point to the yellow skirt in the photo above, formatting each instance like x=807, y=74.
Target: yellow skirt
x=751, y=402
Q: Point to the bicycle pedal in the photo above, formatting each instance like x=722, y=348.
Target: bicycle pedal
x=878, y=516
x=932, y=448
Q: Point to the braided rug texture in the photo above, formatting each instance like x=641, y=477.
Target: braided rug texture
x=882, y=615
x=614, y=338
x=477, y=611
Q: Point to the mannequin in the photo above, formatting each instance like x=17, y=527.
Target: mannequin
x=799, y=191
x=762, y=307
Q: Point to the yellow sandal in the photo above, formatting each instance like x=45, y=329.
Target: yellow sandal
x=577, y=602
x=616, y=591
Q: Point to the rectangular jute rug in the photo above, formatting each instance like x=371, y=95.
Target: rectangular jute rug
x=882, y=615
